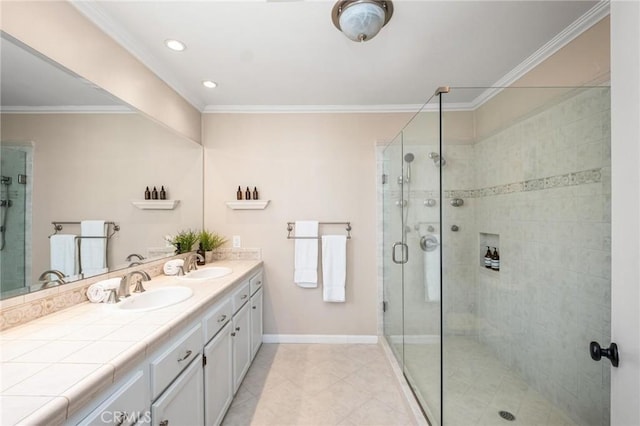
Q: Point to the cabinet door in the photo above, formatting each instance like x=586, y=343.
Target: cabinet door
x=125, y=406
x=241, y=334
x=218, y=376
x=182, y=402
x=256, y=322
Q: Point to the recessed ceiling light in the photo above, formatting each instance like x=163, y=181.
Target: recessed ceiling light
x=176, y=45
x=210, y=84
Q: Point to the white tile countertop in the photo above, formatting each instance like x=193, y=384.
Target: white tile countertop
x=52, y=366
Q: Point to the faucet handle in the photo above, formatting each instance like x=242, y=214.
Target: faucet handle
x=139, y=288
x=112, y=297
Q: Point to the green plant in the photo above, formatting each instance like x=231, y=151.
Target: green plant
x=184, y=240
x=210, y=240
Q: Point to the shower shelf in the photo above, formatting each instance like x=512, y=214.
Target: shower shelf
x=248, y=204
x=155, y=204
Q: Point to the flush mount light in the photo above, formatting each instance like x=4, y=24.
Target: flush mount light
x=176, y=45
x=210, y=84
x=360, y=20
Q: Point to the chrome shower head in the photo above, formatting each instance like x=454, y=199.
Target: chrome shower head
x=437, y=159
x=408, y=157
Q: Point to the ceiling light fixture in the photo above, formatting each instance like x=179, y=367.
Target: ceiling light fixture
x=360, y=20
x=210, y=84
x=176, y=45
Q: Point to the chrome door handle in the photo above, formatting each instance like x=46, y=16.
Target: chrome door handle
x=405, y=253
x=186, y=355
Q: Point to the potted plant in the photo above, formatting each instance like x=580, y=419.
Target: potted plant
x=209, y=241
x=183, y=240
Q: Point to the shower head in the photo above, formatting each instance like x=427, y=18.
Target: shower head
x=408, y=157
x=437, y=159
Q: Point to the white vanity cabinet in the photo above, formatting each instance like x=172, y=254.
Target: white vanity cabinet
x=241, y=336
x=218, y=362
x=256, y=322
x=127, y=405
x=192, y=378
x=182, y=402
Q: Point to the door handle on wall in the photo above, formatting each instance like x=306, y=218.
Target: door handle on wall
x=405, y=253
x=598, y=352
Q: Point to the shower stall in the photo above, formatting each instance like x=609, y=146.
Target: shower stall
x=523, y=173
x=15, y=217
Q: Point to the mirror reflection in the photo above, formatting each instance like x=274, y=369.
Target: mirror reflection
x=74, y=162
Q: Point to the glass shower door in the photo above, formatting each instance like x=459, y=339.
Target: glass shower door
x=533, y=174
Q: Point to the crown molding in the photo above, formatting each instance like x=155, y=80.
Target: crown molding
x=68, y=109
x=330, y=109
x=93, y=12
x=579, y=26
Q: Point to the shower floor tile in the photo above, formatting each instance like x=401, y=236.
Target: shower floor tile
x=477, y=387
x=317, y=385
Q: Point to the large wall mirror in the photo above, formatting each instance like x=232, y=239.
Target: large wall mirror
x=72, y=153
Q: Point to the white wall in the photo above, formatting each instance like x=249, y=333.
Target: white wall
x=311, y=166
x=625, y=153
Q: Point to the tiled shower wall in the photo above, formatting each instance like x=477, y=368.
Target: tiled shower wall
x=543, y=186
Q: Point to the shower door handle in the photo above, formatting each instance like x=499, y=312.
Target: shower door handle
x=405, y=253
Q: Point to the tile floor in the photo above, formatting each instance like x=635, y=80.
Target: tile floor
x=317, y=385
x=477, y=387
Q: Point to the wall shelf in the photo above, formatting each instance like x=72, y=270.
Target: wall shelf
x=248, y=204
x=155, y=204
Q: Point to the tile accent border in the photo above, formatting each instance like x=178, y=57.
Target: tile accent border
x=569, y=179
x=22, y=309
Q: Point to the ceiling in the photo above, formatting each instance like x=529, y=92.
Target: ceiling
x=273, y=55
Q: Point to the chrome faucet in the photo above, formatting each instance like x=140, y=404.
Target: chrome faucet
x=190, y=262
x=132, y=255
x=125, y=283
x=58, y=281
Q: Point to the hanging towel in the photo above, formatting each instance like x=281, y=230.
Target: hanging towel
x=93, y=251
x=334, y=267
x=431, y=266
x=305, y=261
x=64, y=256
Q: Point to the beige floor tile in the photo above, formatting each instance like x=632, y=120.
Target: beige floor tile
x=318, y=385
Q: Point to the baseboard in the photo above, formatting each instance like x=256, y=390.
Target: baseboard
x=320, y=338
x=416, y=339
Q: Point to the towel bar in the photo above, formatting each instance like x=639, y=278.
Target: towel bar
x=57, y=226
x=290, y=226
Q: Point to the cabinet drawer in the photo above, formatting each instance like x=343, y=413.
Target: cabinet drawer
x=217, y=318
x=256, y=282
x=165, y=367
x=125, y=406
x=240, y=296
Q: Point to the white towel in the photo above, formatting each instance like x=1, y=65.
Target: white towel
x=305, y=260
x=431, y=260
x=93, y=251
x=97, y=293
x=334, y=267
x=64, y=256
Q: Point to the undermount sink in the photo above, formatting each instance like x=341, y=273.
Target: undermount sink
x=155, y=299
x=206, y=274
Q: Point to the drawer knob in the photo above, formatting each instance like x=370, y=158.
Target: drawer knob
x=186, y=355
x=237, y=328
x=233, y=334
x=120, y=417
x=222, y=318
x=254, y=307
x=259, y=283
x=244, y=296
x=164, y=423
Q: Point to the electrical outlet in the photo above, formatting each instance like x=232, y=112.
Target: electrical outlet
x=236, y=241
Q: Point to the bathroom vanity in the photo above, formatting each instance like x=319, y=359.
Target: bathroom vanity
x=178, y=365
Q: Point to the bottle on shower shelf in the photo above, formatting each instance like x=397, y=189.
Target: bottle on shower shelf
x=487, y=258
x=495, y=260
x=147, y=194
x=154, y=194
x=247, y=194
x=239, y=194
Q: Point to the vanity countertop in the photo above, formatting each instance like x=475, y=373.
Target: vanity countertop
x=52, y=366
